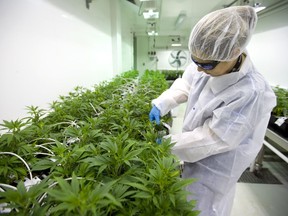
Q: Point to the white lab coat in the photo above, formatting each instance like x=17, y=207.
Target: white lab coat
x=223, y=130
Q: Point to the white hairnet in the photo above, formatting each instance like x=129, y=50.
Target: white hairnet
x=223, y=34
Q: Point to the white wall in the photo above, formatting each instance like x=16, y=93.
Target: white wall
x=143, y=61
x=145, y=44
x=269, y=53
x=129, y=13
x=269, y=46
x=268, y=49
x=164, y=55
x=48, y=47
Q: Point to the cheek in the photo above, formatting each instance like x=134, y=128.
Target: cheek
x=200, y=69
x=219, y=70
x=215, y=72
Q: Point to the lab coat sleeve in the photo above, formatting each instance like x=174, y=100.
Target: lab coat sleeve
x=178, y=93
x=224, y=131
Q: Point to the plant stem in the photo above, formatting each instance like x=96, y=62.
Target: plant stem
x=28, y=168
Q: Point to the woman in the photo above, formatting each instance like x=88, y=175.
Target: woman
x=228, y=108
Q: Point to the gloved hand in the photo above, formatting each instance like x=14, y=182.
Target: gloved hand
x=159, y=140
x=154, y=115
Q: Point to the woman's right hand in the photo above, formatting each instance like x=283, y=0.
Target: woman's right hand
x=154, y=115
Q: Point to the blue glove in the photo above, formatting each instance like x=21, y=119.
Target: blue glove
x=159, y=140
x=154, y=115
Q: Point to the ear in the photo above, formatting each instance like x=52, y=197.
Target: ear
x=236, y=52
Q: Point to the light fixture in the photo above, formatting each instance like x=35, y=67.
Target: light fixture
x=151, y=28
x=256, y=4
x=150, y=14
x=176, y=44
x=150, y=9
x=152, y=33
x=258, y=7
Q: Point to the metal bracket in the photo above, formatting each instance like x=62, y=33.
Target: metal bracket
x=87, y=3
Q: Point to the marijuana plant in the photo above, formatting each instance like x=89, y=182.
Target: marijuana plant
x=281, y=108
x=95, y=153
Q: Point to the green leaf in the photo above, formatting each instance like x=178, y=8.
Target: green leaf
x=102, y=168
x=43, y=165
x=98, y=160
x=7, y=138
x=134, y=153
x=20, y=170
x=179, y=185
x=155, y=202
x=172, y=199
x=75, y=184
x=142, y=195
x=136, y=185
x=21, y=188
x=126, y=149
x=66, y=207
x=153, y=173
x=113, y=200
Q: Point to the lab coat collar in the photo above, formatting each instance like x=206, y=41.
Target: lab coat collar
x=220, y=83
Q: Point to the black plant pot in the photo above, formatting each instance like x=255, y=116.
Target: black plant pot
x=282, y=129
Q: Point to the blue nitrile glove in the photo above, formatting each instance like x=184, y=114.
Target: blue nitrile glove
x=154, y=115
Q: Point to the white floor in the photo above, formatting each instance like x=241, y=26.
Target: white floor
x=260, y=200
x=250, y=199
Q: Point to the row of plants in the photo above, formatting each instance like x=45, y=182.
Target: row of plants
x=281, y=108
x=92, y=153
x=172, y=74
x=279, y=118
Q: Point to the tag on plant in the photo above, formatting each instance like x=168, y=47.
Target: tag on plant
x=280, y=121
x=3, y=208
x=30, y=182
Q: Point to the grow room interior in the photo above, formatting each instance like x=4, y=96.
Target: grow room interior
x=87, y=57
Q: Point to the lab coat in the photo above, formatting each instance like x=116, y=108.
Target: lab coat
x=223, y=130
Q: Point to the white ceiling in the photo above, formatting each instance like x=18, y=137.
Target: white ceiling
x=194, y=10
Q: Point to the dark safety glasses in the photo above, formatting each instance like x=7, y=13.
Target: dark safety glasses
x=206, y=66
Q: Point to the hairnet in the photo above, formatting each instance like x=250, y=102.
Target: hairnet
x=223, y=34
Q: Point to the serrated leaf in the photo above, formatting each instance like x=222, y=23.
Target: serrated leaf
x=96, y=161
x=109, y=145
x=75, y=184
x=180, y=185
x=127, y=147
x=64, y=185
x=102, y=168
x=43, y=165
x=142, y=195
x=113, y=200
x=172, y=198
x=136, y=185
x=134, y=153
x=21, y=188
x=20, y=170
x=62, y=207
x=155, y=202
x=153, y=173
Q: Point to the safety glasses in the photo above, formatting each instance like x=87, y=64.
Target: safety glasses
x=206, y=66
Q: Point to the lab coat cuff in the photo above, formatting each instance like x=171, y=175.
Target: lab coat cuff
x=164, y=106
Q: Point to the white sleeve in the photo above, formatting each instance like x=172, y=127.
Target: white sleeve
x=178, y=93
x=224, y=131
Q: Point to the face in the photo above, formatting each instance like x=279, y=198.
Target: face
x=213, y=68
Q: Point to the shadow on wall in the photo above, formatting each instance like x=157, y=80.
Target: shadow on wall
x=95, y=16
